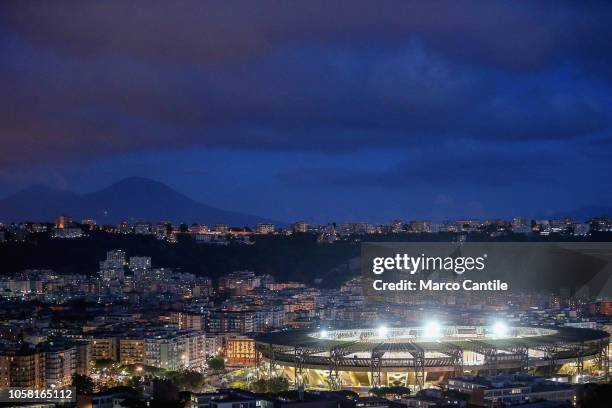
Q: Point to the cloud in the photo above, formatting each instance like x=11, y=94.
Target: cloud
x=470, y=167
x=516, y=36
x=88, y=79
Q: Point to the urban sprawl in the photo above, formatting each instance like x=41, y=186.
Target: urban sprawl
x=136, y=332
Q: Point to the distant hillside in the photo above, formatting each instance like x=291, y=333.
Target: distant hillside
x=288, y=258
x=130, y=199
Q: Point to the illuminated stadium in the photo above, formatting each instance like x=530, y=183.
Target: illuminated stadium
x=422, y=355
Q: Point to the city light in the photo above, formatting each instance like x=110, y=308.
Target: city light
x=500, y=329
x=432, y=330
x=133, y=270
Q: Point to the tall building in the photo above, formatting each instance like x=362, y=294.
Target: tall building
x=265, y=228
x=5, y=370
x=89, y=222
x=239, y=283
x=188, y=321
x=140, y=263
x=300, y=227
x=22, y=367
x=65, y=228
x=142, y=228
x=112, y=268
x=521, y=225
x=161, y=352
x=83, y=357
x=213, y=344
x=63, y=221
x=241, y=322
x=202, y=288
x=361, y=228
x=104, y=348
x=221, y=228
x=28, y=370
x=131, y=351
x=240, y=351
x=117, y=257
x=160, y=231
x=419, y=227
x=601, y=224
x=176, y=351
x=396, y=226
x=581, y=229
x=124, y=228
x=60, y=364
x=109, y=275
x=269, y=317
x=114, y=260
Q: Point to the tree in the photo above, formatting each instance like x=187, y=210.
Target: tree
x=596, y=395
x=193, y=380
x=216, y=363
x=134, y=382
x=83, y=384
x=190, y=380
x=103, y=363
x=260, y=385
x=274, y=385
x=278, y=384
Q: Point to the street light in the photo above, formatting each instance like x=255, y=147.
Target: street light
x=500, y=329
x=432, y=330
x=382, y=332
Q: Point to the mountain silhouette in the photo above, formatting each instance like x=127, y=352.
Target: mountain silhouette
x=131, y=199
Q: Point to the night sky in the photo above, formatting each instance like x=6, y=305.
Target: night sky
x=314, y=110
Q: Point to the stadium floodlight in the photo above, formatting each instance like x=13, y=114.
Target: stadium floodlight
x=323, y=334
x=500, y=329
x=382, y=332
x=432, y=330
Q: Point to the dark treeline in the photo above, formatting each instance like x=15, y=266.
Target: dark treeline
x=298, y=257
x=288, y=258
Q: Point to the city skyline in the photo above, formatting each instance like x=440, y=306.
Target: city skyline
x=314, y=111
x=296, y=204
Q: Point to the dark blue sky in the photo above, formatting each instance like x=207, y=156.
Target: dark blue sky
x=314, y=110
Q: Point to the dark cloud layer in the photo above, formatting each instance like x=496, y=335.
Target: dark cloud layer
x=513, y=35
x=479, y=168
x=88, y=79
x=296, y=75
